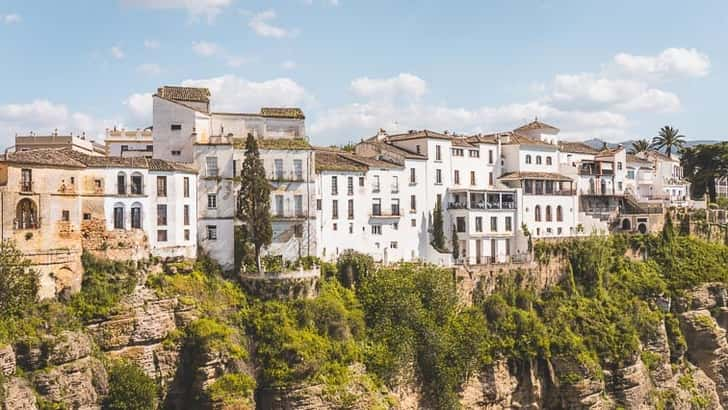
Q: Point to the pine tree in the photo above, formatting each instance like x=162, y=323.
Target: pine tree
x=455, y=244
x=438, y=235
x=254, y=201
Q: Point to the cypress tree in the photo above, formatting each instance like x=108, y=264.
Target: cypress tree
x=685, y=225
x=254, y=201
x=438, y=235
x=668, y=232
x=455, y=244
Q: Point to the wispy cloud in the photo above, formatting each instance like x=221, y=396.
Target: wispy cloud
x=117, y=52
x=262, y=26
x=206, y=48
x=195, y=8
x=151, y=44
x=10, y=18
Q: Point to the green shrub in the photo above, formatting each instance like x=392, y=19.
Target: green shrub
x=18, y=283
x=130, y=388
x=105, y=283
x=232, y=389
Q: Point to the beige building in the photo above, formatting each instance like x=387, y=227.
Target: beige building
x=129, y=143
x=74, y=142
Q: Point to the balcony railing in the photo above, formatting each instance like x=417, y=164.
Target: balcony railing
x=26, y=186
x=26, y=223
x=395, y=189
x=385, y=214
x=285, y=176
x=482, y=205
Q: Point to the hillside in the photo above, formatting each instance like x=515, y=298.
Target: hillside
x=617, y=331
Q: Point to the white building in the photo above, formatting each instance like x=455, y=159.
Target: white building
x=75, y=142
x=129, y=143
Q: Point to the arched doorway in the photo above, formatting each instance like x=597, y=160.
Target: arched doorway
x=26, y=214
x=626, y=225
x=642, y=228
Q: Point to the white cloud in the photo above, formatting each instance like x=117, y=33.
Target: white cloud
x=236, y=61
x=196, y=8
x=232, y=93
x=206, y=48
x=402, y=85
x=288, y=65
x=140, y=107
x=43, y=117
x=151, y=44
x=260, y=23
x=672, y=61
x=117, y=52
x=10, y=18
x=329, y=2
x=588, y=89
x=151, y=69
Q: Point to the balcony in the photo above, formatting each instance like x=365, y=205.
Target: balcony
x=26, y=186
x=283, y=176
x=291, y=214
x=482, y=201
x=31, y=222
x=395, y=189
x=378, y=213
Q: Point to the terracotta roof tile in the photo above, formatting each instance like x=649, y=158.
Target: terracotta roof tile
x=536, y=125
x=414, y=134
x=282, y=112
x=330, y=160
x=482, y=139
x=399, y=151
x=54, y=157
x=191, y=94
x=576, y=148
x=551, y=176
x=461, y=142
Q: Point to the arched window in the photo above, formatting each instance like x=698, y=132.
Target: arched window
x=26, y=215
x=121, y=183
x=537, y=213
x=538, y=160
x=548, y=213
x=137, y=186
x=548, y=160
x=136, y=216
x=528, y=159
x=559, y=214
x=119, y=216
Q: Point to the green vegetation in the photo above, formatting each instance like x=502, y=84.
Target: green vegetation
x=438, y=233
x=104, y=284
x=130, y=388
x=18, y=283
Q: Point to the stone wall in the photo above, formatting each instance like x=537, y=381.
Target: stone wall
x=113, y=244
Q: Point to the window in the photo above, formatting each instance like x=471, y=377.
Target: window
x=559, y=230
x=619, y=185
x=298, y=205
x=279, y=205
x=413, y=222
x=472, y=177
x=377, y=206
x=395, y=184
x=361, y=181
x=528, y=159
x=73, y=180
x=298, y=230
x=393, y=245
x=490, y=178
x=187, y=234
x=376, y=229
x=474, y=153
x=460, y=224
x=559, y=214
x=161, y=215
x=97, y=184
x=161, y=186
x=211, y=163
x=318, y=204
x=186, y=187
x=537, y=213
x=186, y=215
x=438, y=177
x=548, y=160
x=335, y=209
x=395, y=206
x=456, y=177
x=350, y=209
x=118, y=217
x=490, y=156
x=176, y=153
x=413, y=203
x=212, y=232
x=458, y=152
x=161, y=235
x=298, y=169
x=175, y=127
x=335, y=226
x=334, y=185
x=350, y=185
x=65, y=215
x=494, y=224
x=351, y=228
x=478, y=224
x=375, y=183
x=278, y=169
x=538, y=160
x=86, y=216
x=630, y=174
x=137, y=187
x=211, y=201
x=150, y=148
x=124, y=148
x=413, y=178
x=619, y=165
x=121, y=184
x=417, y=147
x=136, y=217
x=509, y=224
x=438, y=153
x=548, y=213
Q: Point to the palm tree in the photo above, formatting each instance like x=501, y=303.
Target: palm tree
x=668, y=139
x=639, y=146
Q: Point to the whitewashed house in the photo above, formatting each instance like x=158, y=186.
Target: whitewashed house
x=129, y=143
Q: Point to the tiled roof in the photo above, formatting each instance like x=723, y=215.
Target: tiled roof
x=282, y=112
x=515, y=138
x=536, y=125
x=576, y=148
x=461, y=142
x=414, y=134
x=403, y=152
x=192, y=94
x=370, y=162
x=551, y=176
x=659, y=155
x=54, y=157
x=284, y=143
x=330, y=160
x=482, y=139
x=638, y=160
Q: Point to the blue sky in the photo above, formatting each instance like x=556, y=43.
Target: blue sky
x=615, y=70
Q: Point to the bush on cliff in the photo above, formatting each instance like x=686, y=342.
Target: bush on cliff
x=105, y=283
x=130, y=388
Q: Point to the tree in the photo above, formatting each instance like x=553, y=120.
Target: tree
x=641, y=145
x=254, y=201
x=130, y=388
x=455, y=244
x=685, y=225
x=352, y=267
x=18, y=283
x=668, y=139
x=702, y=166
x=438, y=235
x=668, y=231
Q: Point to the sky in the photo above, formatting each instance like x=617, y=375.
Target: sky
x=614, y=70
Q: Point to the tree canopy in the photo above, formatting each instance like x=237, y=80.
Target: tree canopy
x=18, y=283
x=703, y=165
x=668, y=139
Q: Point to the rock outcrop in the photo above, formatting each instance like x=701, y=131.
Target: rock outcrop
x=7, y=361
x=19, y=395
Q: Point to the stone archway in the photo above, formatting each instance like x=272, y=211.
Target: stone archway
x=26, y=214
x=626, y=224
